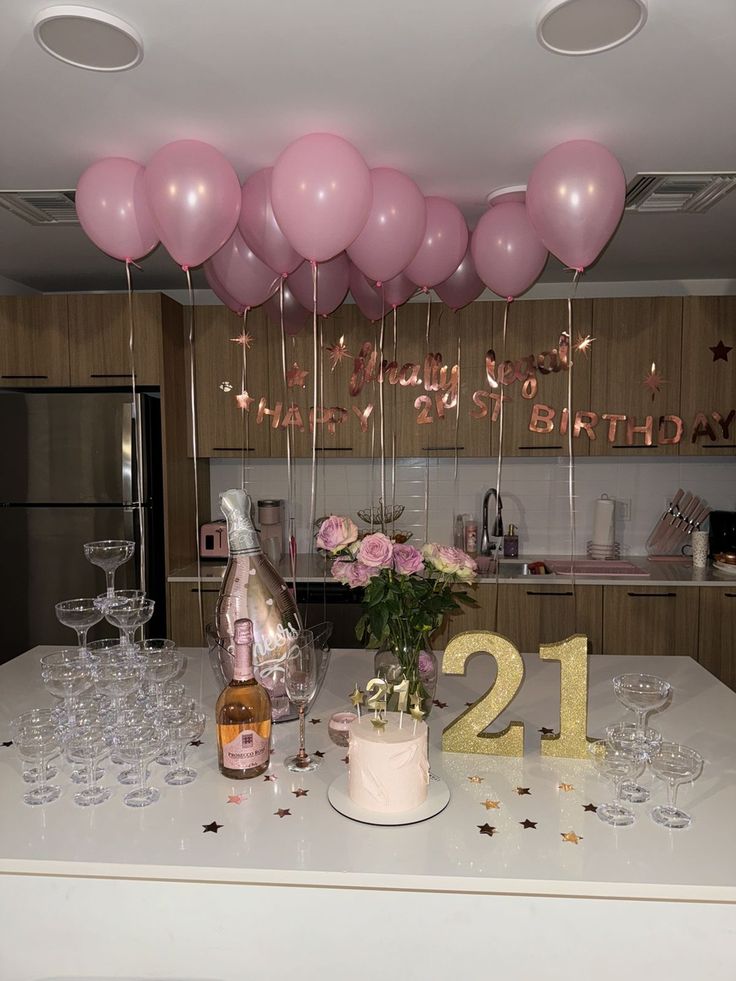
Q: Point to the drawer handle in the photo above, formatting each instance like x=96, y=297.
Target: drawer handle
x=638, y=446
x=719, y=446
x=653, y=595
x=731, y=595
x=234, y=449
x=336, y=449
x=24, y=376
x=127, y=375
x=204, y=590
x=556, y=447
x=533, y=592
x=429, y=449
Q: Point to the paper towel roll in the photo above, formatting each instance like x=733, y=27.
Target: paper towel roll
x=603, y=521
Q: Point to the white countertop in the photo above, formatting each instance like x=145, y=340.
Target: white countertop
x=312, y=568
x=314, y=845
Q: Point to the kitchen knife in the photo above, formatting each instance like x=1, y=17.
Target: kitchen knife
x=659, y=526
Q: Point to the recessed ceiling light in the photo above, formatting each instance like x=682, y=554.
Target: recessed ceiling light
x=88, y=38
x=583, y=27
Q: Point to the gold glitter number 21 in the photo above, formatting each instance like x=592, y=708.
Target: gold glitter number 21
x=467, y=733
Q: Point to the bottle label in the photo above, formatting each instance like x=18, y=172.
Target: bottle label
x=246, y=751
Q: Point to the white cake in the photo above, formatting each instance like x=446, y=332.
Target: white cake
x=388, y=770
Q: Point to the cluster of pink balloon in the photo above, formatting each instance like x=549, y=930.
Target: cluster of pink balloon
x=368, y=231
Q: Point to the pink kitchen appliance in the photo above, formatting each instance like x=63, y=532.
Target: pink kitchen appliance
x=213, y=540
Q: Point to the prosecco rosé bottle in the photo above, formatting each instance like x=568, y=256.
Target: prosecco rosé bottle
x=243, y=715
x=252, y=589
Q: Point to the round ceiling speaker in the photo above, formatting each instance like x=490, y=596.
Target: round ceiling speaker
x=584, y=27
x=88, y=38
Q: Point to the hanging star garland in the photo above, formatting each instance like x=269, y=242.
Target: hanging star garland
x=720, y=351
x=338, y=352
x=571, y=837
x=296, y=376
x=213, y=826
x=654, y=381
x=487, y=829
x=246, y=339
x=244, y=401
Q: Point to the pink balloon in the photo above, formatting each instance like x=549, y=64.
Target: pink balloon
x=506, y=250
x=398, y=290
x=575, y=199
x=295, y=315
x=368, y=299
x=259, y=227
x=113, y=210
x=321, y=192
x=464, y=286
x=220, y=292
x=443, y=245
x=395, y=227
x=194, y=195
x=332, y=284
x=248, y=280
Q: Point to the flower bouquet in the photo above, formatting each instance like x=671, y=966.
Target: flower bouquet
x=408, y=592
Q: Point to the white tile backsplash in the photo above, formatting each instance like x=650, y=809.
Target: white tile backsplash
x=534, y=493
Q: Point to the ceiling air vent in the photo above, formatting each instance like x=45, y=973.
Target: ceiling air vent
x=690, y=193
x=41, y=207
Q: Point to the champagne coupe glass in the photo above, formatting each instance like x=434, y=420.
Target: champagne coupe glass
x=160, y=667
x=34, y=717
x=156, y=644
x=37, y=744
x=109, y=555
x=140, y=745
x=627, y=736
x=132, y=717
x=118, y=676
x=181, y=734
x=66, y=673
x=616, y=765
x=108, y=645
x=300, y=676
x=91, y=711
x=128, y=615
x=675, y=764
x=80, y=615
x=88, y=745
x=642, y=694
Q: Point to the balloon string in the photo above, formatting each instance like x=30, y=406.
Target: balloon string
x=195, y=448
x=315, y=391
x=383, y=501
x=571, y=456
x=323, y=465
x=138, y=434
x=506, y=308
x=457, y=413
x=289, y=466
x=244, y=415
x=426, y=458
x=393, y=427
x=373, y=436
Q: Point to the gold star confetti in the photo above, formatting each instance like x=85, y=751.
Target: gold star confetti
x=282, y=812
x=654, y=381
x=300, y=792
x=487, y=829
x=567, y=787
x=295, y=376
x=521, y=791
x=583, y=343
x=491, y=805
x=246, y=339
x=236, y=799
x=357, y=697
x=338, y=352
x=571, y=837
x=378, y=724
x=226, y=387
x=475, y=779
x=244, y=401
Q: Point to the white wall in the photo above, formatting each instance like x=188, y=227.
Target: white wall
x=534, y=492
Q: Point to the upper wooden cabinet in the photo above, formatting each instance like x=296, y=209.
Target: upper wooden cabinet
x=99, y=338
x=631, y=336
x=534, y=330
x=709, y=375
x=34, y=341
x=221, y=373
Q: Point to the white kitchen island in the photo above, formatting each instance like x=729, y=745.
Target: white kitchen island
x=117, y=893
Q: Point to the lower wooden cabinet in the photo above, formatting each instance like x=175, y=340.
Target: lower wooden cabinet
x=184, y=612
x=531, y=614
x=650, y=620
x=717, y=634
x=472, y=618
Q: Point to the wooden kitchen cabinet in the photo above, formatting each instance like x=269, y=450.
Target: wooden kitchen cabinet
x=650, y=620
x=183, y=612
x=709, y=377
x=534, y=327
x=99, y=338
x=222, y=427
x=34, y=341
x=530, y=614
x=631, y=335
x=472, y=618
x=717, y=634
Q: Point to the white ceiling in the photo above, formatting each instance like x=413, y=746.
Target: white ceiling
x=457, y=94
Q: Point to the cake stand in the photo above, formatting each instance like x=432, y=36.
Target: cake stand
x=438, y=797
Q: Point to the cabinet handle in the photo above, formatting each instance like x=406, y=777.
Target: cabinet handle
x=731, y=595
x=23, y=376
x=719, y=446
x=128, y=375
x=533, y=592
x=205, y=590
x=638, y=446
x=429, y=449
x=652, y=595
x=235, y=449
x=557, y=447
x=336, y=449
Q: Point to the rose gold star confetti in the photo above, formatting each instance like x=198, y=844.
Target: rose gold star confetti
x=244, y=401
x=583, y=343
x=338, y=352
x=475, y=779
x=571, y=837
x=567, y=787
x=226, y=387
x=270, y=776
x=521, y=791
x=654, y=381
x=300, y=792
x=487, y=829
x=346, y=759
x=246, y=339
x=590, y=807
x=236, y=799
x=295, y=376
x=491, y=805
x=282, y=812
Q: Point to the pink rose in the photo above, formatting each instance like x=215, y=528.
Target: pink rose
x=407, y=560
x=359, y=574
x=444, y=558
x=335, y=533
x=341, y=570
x=376, y=551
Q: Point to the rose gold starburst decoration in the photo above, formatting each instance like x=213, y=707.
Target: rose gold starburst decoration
x=338, y=352
x=246, y=339
x=244, y=401
x=296, y=376
x=654, y=381
x=582, y=344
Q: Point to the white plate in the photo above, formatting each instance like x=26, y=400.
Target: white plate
x=725, y=567
x=438, y=797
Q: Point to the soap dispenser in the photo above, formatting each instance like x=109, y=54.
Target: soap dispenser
x=511, y=543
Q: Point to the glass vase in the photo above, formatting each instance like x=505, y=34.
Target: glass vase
x=414, y=661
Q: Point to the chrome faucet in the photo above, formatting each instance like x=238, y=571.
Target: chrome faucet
x=497, y=528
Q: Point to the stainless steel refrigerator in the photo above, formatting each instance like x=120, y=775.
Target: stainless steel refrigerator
x=69, y=475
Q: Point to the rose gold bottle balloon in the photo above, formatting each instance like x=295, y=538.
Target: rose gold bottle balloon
x=253, y=589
